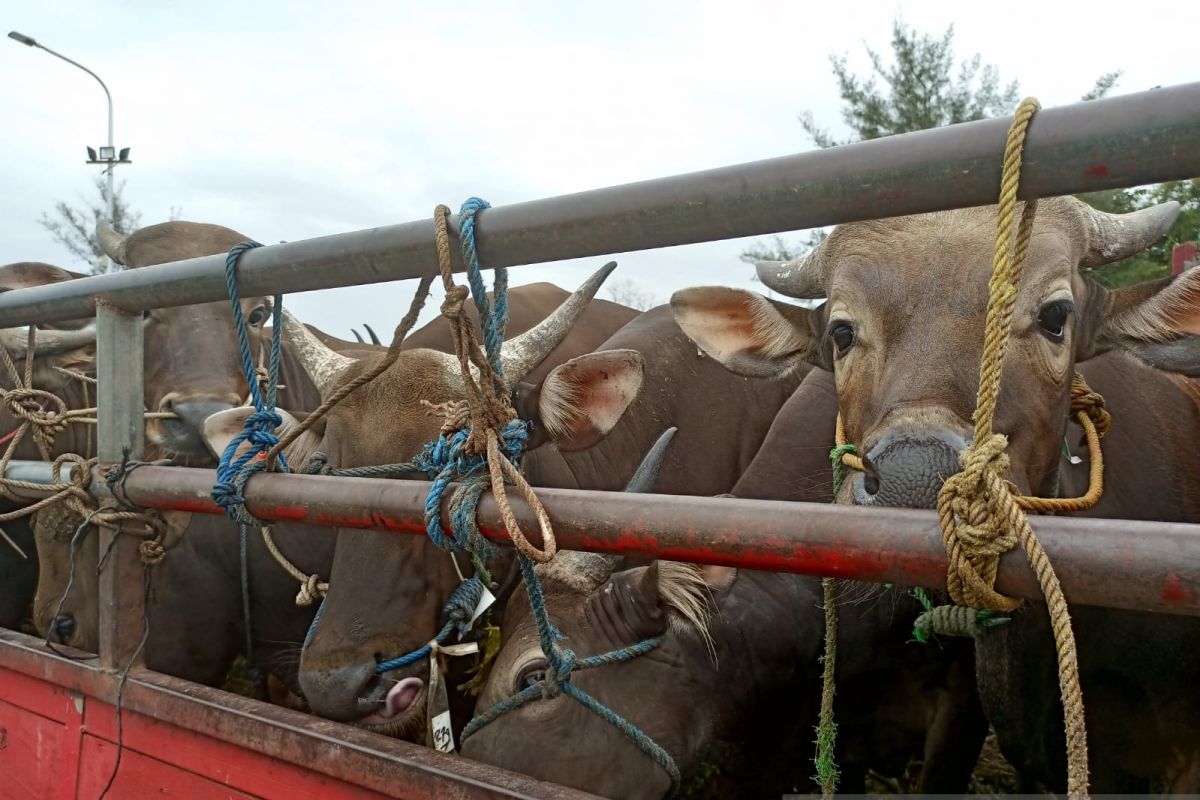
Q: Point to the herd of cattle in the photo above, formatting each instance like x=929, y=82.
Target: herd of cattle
x=754, y=387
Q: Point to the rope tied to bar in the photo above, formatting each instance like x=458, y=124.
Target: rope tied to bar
x=258, y=430
x=562, y=663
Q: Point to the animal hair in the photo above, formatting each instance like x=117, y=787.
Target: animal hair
x=1152, y=320
x=775, y=333
x=683, y=590
x=558, y=404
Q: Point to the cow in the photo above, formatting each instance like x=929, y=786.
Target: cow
x=753, y=657
x=386, y=595
x=62, y=367
x=902, y=330
x=198, y=641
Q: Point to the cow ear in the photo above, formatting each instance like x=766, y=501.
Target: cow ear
x=582, y=399
x=221, y=428
x=1162, y=328
x=749, y=334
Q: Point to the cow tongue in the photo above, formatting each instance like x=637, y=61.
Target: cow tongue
x=402, y=697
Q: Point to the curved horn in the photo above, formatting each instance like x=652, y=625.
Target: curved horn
x=522, y=353
x=801, y=278
x=581, y=571
x=357, y=336
x=111, y=242
x=1111, y=237
x=49, y=343
x=644, y=478
x=322, y=363
x=371, y=333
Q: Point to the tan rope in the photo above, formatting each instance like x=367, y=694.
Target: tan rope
x=389, y=358
x=485, y=412
x=312, y=588
x=979, y=513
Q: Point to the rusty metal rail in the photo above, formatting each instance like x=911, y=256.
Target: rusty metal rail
x=1116, y=563
x=1103, y=144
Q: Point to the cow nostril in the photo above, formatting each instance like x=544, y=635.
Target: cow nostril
x=870, y=477
x=63, y=627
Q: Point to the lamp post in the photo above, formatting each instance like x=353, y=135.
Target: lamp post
x=108, y=154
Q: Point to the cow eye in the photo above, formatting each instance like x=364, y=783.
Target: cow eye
x=842, y=335
x=258, y=316
x=1052, y=319
x=530, y=674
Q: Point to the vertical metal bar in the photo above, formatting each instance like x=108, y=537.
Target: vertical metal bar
x=121, y=429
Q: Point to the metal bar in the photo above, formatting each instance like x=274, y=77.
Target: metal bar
x=389, y=766
x=1122, y=141
x=120, y=432
x=1116, y=563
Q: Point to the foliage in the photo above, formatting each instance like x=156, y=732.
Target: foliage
x=628, y=293
x=74, y=227
x=923, y=89
x=1155, y=262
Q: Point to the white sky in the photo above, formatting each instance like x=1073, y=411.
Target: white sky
x=298, y=119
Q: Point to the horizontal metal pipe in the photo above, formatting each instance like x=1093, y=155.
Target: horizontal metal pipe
x=1122, y=141
x=1115, y=563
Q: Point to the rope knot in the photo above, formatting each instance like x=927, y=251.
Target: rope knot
x=561, y=663
x=1086, y=401
x=312, y=588
x=452, y=306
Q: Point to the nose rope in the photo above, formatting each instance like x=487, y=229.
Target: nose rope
x=980, y=513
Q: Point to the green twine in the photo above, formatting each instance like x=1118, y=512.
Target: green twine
x=951, y=620
x=840, y=470
x=827, y=771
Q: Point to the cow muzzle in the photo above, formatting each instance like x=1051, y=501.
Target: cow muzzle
x=355, y=692
x=185, y=434
x=906, y=469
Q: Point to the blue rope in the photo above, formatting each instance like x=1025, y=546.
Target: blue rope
x=561, y=664
x=458, y=610
x=259, y=428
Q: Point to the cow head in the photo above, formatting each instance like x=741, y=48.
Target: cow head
x=386, y=590
x=600, y=604
x=903, y=332
x=192, y=359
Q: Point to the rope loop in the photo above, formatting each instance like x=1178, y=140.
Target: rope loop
x=258, y=430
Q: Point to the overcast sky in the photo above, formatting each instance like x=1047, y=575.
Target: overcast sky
x=292, y=120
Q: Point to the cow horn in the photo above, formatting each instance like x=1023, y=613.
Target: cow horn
x=522, y=353
x=322, y=363
x=373, y=335
x=801, y=278
x=589, y=571
x=357, y=336
x=1112, y=237
x=48, y=343
x=644, y=478
x=111, y=242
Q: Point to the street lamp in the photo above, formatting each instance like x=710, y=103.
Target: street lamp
x=108, y=155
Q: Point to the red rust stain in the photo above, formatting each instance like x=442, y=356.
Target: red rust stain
x=1176, y=593
x=1097, y=171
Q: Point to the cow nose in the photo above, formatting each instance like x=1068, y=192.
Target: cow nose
x=346, y=692
x=907, y=470
x=63, y=628
x=185, y=433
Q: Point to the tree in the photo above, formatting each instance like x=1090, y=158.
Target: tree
x=628, y=293
x=75, y=227
x=923, y=89
x=1155, y=261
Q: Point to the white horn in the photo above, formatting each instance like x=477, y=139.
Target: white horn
x=322, y=364
x=801, y=278
x=111, y=242
x=48, y=343
x=1112, y=237
x=522, y=353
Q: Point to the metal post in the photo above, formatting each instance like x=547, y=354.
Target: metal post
x=119, y=357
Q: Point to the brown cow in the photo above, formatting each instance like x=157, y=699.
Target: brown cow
x=385, y=601
x=903, y=332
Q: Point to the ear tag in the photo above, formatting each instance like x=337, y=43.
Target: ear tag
x=485, y=602
x=437, y=706
x=1073, y=460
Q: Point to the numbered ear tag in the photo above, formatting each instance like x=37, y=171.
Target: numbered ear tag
x=437, y=706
